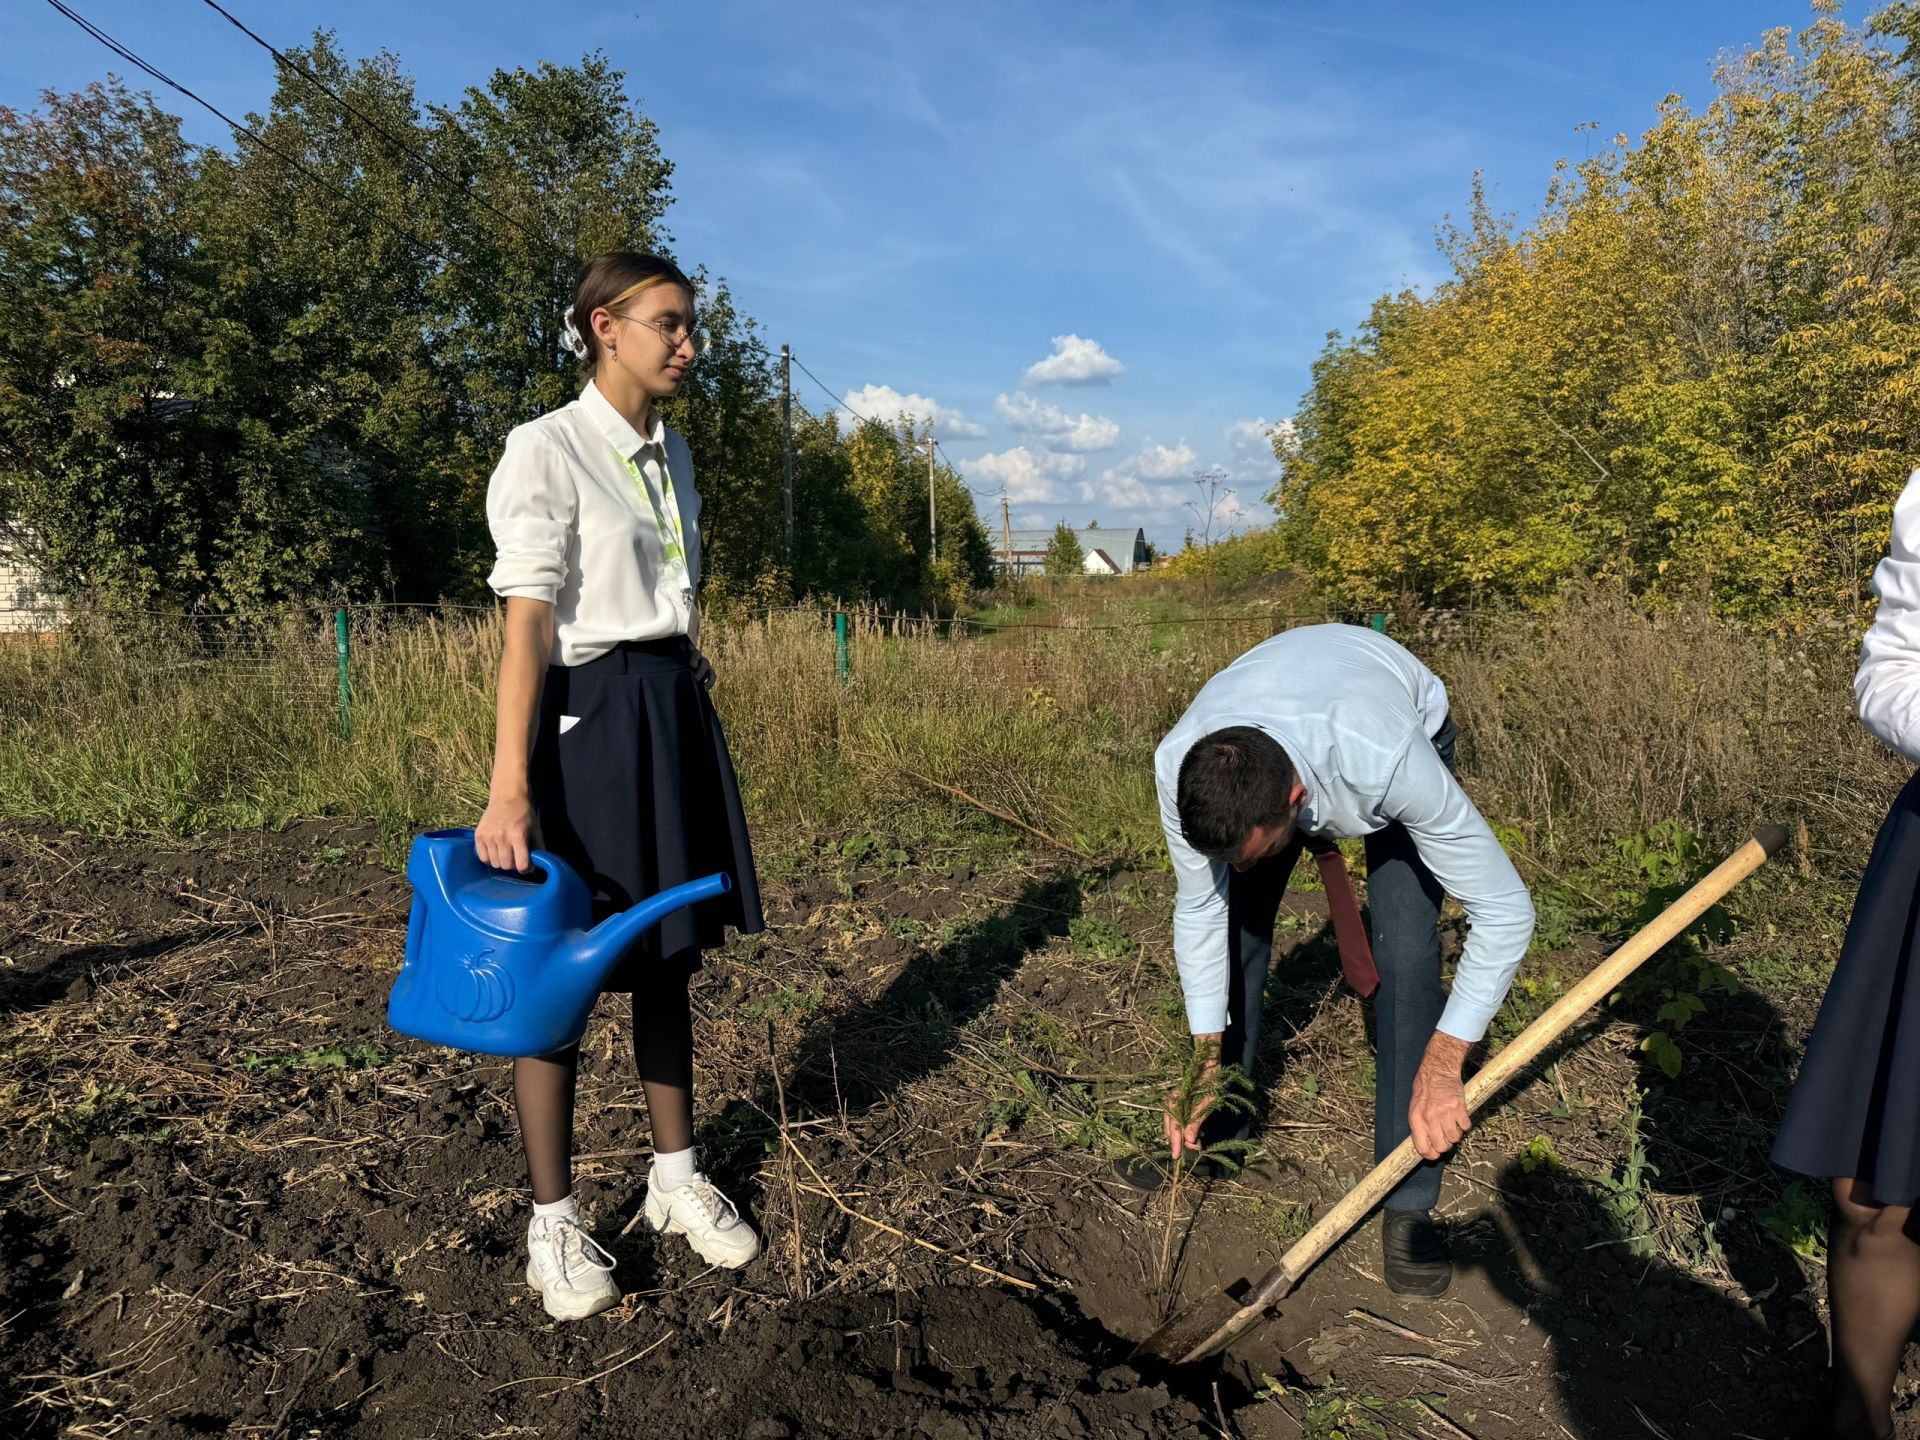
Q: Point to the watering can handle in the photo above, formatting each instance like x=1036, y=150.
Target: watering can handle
x=545, y=861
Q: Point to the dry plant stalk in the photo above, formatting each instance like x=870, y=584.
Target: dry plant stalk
x=993, y=810
x=828, y=1192
x=793, y=1193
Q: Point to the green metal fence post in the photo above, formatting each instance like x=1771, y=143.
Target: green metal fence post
x=346, y=690
x=842, y=657
x=1378, y=620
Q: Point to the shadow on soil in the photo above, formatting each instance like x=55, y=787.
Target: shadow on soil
x=854, y=1059
x=1636, y=1338
x=71, y=976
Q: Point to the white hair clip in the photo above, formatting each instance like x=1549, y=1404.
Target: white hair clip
x=570, y=335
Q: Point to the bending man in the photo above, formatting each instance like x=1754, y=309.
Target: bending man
x=1322, y=733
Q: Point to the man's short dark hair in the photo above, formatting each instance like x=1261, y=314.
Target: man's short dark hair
x=1231, y=781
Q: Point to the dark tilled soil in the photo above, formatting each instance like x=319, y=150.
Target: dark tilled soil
x=232, y=1202
x=212, y=1234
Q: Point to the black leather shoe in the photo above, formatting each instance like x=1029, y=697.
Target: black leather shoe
x=1414, y=1246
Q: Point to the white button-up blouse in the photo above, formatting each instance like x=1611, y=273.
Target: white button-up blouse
x=1887, y=685
x=571, y=527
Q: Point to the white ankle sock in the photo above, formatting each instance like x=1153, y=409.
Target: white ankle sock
x=672, y=1168
x=565, y=1209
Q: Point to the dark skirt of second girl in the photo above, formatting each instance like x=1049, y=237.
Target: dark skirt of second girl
x=635, y=790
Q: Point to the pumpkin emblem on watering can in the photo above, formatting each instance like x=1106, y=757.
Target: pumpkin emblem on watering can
x=508, y=966
x=473, y=988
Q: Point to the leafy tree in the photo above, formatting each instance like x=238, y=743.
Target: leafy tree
x=103, y=301
x=1064, y=555
x=230, y=378
x=1691, y=373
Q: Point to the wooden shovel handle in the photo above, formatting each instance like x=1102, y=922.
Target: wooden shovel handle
x=1601, y=981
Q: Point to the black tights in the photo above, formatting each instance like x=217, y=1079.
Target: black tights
x=1873, y=1292
x=543, y=1086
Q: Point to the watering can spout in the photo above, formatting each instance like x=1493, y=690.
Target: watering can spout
x=596, y=952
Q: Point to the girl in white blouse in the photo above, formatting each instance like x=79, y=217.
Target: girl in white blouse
x=1854, y=1116
x=608, y=751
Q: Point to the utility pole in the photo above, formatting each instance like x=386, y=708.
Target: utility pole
x=786, y=428
x=1006, y=533
x=933, y=518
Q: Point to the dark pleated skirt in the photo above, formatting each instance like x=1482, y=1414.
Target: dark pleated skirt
x=1855, y=1110
x=635, y=790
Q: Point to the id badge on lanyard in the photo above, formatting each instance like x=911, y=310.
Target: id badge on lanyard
x=666, y=519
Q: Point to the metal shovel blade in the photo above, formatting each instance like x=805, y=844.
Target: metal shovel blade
x=1183, y=1332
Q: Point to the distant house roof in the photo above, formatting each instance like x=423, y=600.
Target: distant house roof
x=1126, y=550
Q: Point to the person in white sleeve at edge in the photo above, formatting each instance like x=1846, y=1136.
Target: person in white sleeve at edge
x=1854, y=1116
x=608, y=750
x=1323, y=733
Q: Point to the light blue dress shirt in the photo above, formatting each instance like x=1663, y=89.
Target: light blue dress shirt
x=1356, y=713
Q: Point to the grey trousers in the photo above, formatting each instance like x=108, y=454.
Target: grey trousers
x=1403, y=909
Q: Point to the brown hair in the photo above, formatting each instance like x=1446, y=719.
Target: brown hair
x=612, y=279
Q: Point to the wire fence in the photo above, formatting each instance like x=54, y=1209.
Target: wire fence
x=314, y=658
x=306, y=656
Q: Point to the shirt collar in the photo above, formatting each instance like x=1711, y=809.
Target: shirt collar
x=615, y=426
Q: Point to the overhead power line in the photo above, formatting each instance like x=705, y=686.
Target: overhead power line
x=294, y=162
x=239, y=129
x=288, y=63
x=837, y=401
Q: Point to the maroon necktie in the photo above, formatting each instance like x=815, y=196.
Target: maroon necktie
x=1356, y=956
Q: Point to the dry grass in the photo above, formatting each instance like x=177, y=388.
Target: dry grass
x=1592, y=722
x=1597, y=721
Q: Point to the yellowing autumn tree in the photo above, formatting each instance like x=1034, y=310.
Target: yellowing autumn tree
x=1692, y=373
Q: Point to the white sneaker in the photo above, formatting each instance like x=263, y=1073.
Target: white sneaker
x=707, y=1218
x=567, y=1266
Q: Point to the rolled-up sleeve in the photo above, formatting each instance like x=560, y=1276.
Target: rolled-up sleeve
x=531, y=505
x=1887, y=685
x=1199, y=912
x=1459, y=847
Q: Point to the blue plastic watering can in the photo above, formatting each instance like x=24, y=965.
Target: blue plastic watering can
x=509, y=966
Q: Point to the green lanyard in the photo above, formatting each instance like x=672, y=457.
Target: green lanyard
x=673, y=540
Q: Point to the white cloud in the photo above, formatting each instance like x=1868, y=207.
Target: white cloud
x=1139, y=482
x=888, y=405
x=1030, y=478
x=1162, y=462
x=1118, y=490
x=1252, y=442
x=1074, y=362
x=1156, y=487
x=1058, y=429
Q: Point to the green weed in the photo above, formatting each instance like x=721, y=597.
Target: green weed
x=865, y=848
x=1099, y=937
x=363, y=1056
x=1285, y=1221
x=1539, y=1155
x=1798, y=1221
x=1624, y=1193
x=787, y=1000
x=102, y=1111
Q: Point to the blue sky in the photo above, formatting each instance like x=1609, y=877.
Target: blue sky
x=1102, y=240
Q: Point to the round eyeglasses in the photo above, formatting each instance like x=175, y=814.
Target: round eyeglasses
x=680, y=335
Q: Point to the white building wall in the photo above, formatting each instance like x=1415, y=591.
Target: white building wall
x=25, y=605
